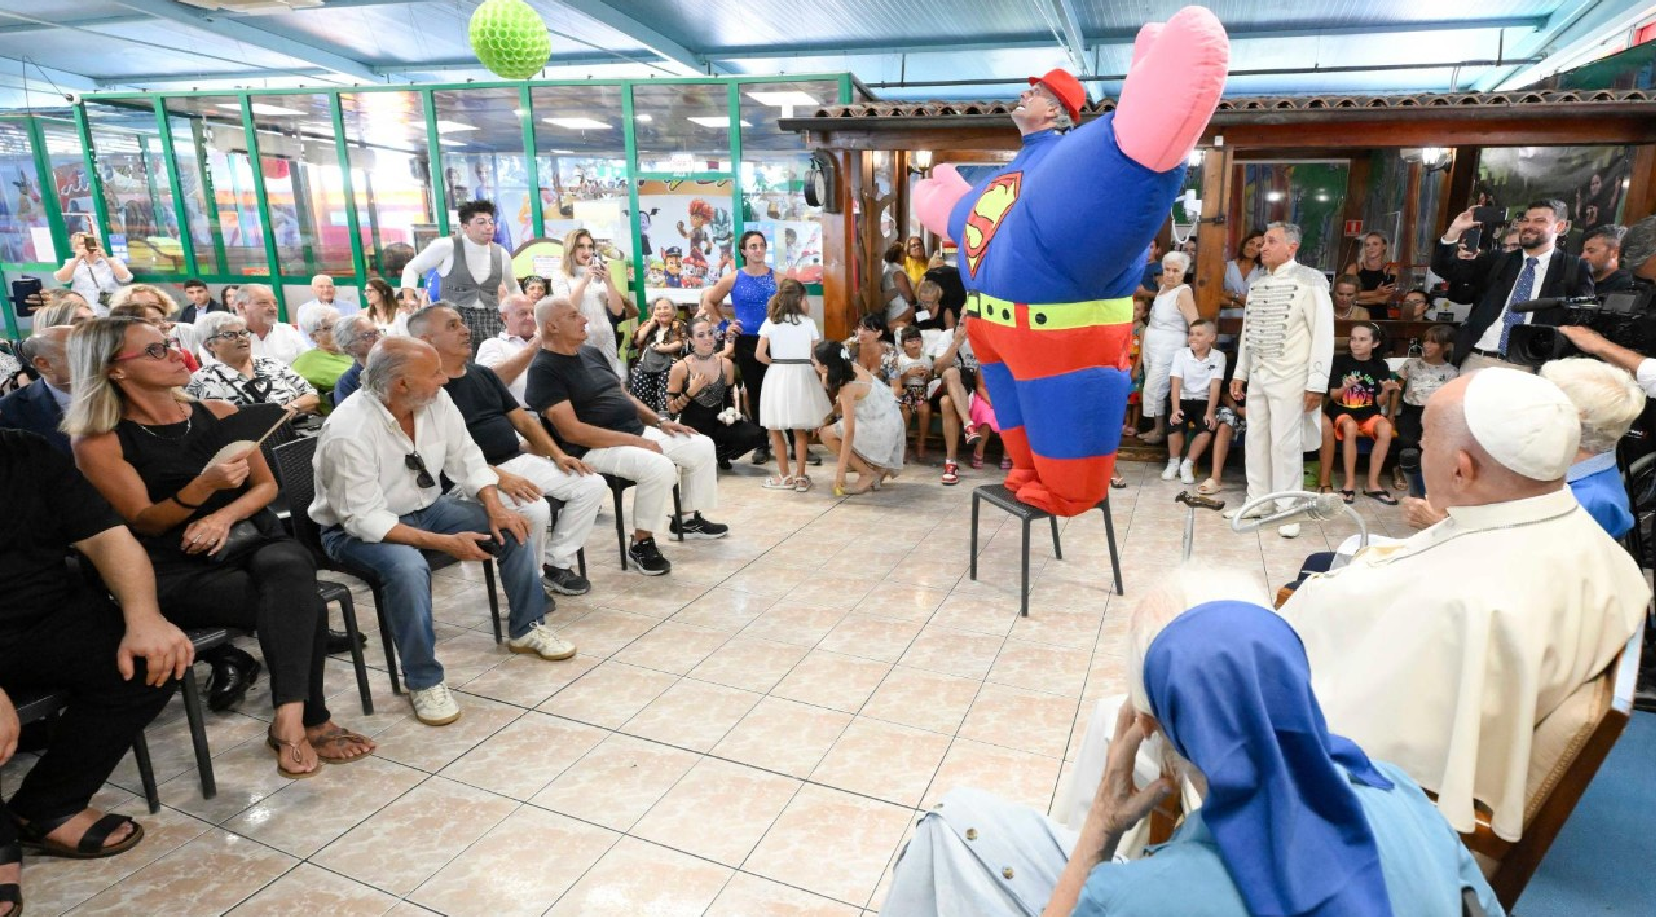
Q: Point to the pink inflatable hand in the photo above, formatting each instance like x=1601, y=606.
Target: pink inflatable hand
x=1176, y=79
x=935, y=197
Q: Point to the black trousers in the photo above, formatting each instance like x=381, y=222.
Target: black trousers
x=73, y=649
x=272, y=592
x=752, y=370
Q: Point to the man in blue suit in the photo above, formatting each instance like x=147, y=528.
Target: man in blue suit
x=39, y=406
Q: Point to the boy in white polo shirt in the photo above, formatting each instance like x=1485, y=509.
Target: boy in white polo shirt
x=1194, y=383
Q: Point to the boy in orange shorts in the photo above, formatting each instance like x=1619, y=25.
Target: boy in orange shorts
x=1361, y=390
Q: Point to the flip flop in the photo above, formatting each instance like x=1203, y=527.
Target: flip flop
x=1118, y=483
x=91, y=846
x=334, y=739
x=1381, y=496
x=1208, y=487
x=1348, y=496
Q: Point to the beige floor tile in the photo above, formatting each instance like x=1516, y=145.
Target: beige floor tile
x=692, y=714
x=901, y=601
x=306, y=815
x=604, y=630
x=884, y=760
x=925, y=700
x=637, y=878
x=309, y=889
x=870, y=638
x=519, y=868
x=525, y=756
x=783, y=736
x=750, y=664
x=660, y=596
x=1023, y=720
x=1019, y=776
x=839, y=593
x=617, y=782
x=803, y=625
x=741, y=801
x=609, y=695
x=408, y=841
x=525, y=680
x=832, y=680
x=726, y=608
x=431, y=748
x=1052, y=625
x=953, y=652
x=832, y=843
x=1040, y=667
x=751, y=896
x=672, y=647
x=207, y=876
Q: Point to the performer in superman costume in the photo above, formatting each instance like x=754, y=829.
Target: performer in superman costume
x=1053, y=245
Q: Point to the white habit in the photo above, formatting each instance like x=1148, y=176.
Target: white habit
x=1442, y=653
x=1287, y=344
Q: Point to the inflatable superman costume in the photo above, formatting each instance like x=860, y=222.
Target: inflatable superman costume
x=1053, y=245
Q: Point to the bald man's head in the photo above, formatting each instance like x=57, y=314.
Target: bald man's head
x=47, y=350
x=1458, y=471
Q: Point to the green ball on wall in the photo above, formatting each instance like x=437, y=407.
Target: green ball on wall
x=510, y=39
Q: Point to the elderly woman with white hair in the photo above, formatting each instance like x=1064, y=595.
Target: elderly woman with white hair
x=322, y=366
x=235, y=375
x=1292, y=819
x=1609, y=402
x=1171, y=316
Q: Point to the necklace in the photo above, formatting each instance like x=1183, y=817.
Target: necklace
x=189, y=421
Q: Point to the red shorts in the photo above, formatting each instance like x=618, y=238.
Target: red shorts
x=1366, y=428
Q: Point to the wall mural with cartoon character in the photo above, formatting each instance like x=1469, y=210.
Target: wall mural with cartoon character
x=687, y=237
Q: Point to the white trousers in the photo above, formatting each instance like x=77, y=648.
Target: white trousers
x=1158, y=352
x=582, y=496
x=1277, y=435
x=689, y=461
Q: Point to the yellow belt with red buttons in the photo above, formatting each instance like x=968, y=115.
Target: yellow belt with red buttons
x=1051, y=316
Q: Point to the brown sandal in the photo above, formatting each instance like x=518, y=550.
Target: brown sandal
x=286, y=749
x=336, y=737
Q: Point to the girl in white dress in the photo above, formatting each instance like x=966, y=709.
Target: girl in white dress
x=1171, y=316
x=869, y=436
x=792, y=398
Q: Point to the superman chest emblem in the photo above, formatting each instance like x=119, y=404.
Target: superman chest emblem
x=987, y=215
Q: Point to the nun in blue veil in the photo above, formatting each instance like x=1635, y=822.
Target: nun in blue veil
x=1293, y=820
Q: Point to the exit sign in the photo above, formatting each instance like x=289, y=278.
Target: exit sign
x=1354, y=228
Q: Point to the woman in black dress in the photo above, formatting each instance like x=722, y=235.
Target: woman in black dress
x=701, y=387
x=157, y=457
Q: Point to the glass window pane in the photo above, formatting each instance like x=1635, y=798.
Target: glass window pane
x=683, y=127
x=773, y=202
x=190, y=146
x=304, y=188
x=764, y=104
x=25, y=236
x=390, y=176
x=688, y=236
x=68, y=179
x=481, y=139
x=1309, y=194
x=216, y=135
x=142, y=225
x=582, y=167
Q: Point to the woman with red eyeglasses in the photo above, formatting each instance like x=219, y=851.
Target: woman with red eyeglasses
x=221, y=558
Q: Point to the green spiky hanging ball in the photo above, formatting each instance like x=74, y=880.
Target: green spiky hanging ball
x=510, y=39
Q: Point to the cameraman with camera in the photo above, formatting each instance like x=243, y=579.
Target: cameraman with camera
x=1502, y=280
x=1638, y=248
x=92, y=273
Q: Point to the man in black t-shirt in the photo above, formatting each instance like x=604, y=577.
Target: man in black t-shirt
x=496, y=421
x=579, y=398
x=1360, y=389
x=58, y=634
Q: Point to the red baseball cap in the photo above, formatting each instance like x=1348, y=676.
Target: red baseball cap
x=1069, y=90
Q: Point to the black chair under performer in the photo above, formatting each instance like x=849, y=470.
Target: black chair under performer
x=999, y=496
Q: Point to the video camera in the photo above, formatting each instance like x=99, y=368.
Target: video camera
x=1624, y=318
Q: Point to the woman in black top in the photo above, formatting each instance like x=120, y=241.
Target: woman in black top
x=154, y=454
x=701, y=387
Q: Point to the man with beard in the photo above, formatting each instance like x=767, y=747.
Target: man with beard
x=1502, y=280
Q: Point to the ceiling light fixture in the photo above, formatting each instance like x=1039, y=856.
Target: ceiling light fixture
x=578, y=124
x=644, y=119
x=450, y=127
x=260, y=108
x=716, y=121
x=792, y=98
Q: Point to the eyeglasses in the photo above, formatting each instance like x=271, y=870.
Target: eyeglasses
x=154, y=352
x=231, y=335
x=416, y=464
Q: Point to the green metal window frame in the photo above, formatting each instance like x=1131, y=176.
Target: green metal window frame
x=274, y=274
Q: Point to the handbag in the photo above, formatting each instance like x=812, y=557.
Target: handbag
x=243, y=537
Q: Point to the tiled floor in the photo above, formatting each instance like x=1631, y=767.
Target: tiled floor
x=752, y=735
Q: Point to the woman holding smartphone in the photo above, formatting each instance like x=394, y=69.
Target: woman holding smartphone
x=1377, y=277
x=91, y=273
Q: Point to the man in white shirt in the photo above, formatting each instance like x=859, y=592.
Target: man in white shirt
x=1283, y=359
x=1443, y=652
x=379, y=502
x=256, y=304
x=484, y=281
x=323, y=293
x=1502, y=280
x=510, y=352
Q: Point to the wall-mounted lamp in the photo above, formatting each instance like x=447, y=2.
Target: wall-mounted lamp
x=1193, y=159
x=920, y=160
x=1432, y=158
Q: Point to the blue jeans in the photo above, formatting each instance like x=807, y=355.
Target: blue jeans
x=408, y=581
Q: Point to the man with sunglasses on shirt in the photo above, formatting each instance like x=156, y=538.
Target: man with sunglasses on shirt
x=380, y=504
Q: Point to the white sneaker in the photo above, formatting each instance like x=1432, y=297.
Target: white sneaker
x=1292, y=530
x=1172, y=469
x=542, y=641
x=434, y=706
x=1185, y=474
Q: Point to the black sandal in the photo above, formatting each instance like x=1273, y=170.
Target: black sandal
x=91, y=847
x=11, y=892
x=1348, y=496
x=1380, y=496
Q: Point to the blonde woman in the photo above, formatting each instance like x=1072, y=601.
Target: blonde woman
x=220, y=556
x=153, y=305
x=584, y=281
